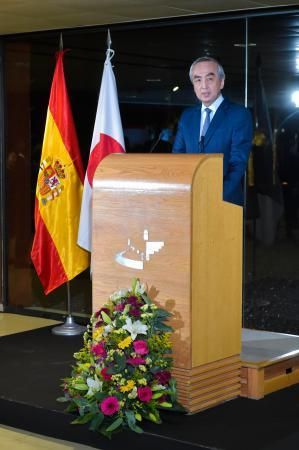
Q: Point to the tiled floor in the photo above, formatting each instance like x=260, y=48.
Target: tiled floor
x=14, y=323
x=11, y=438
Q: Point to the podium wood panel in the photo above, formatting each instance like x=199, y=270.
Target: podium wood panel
x=196, y=274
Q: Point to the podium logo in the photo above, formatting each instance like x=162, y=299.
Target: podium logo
x=134, y=257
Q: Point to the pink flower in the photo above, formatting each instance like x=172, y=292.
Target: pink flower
x=109, y=406
x=140, y=347
x=163, y=376
x=99, y=349
x=105, y=375
x=144, y=394
x=135, y=361
x=120, y=307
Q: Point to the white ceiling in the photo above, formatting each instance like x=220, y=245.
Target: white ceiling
x=19, y=16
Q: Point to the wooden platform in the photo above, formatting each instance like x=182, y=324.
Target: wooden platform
x=269, y=362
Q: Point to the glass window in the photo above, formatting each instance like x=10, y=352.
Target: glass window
x=151, y=65
x=272, y=252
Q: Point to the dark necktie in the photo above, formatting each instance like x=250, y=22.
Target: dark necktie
x=206, y=122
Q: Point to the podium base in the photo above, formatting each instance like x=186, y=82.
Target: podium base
x=208, y=385
x=69, y=328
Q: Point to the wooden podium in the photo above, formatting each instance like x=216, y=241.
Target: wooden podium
x=161, y=218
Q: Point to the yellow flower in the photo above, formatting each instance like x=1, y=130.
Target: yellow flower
x=127, y=387
x=84, y=366
x=125, y=342
x=97, y=333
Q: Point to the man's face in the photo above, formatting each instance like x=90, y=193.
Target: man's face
x=206, y=82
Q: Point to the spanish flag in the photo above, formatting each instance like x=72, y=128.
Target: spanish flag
x=55, y=254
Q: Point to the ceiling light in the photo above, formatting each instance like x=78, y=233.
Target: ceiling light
x=175, y=88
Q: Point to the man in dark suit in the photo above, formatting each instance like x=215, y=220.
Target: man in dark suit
x=216, y=126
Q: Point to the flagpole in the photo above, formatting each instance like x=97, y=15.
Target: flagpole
x=70, y=327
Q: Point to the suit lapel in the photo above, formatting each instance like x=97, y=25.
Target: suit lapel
x=195, y=127
x=217, y=120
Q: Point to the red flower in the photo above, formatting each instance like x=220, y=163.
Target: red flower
x=144, y=394
x=105, y=375
x=135, y=311
x=109, y=406
x=132, y=300
x=140, y=347
x=99, y=349
x=98, y=315
x=135, y=361
x=163, y=376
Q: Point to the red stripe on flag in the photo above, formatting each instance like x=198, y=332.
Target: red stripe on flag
x=60, y=108
x=104, y=147
x=45, y=257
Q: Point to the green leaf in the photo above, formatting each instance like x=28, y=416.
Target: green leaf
x=99, y=396
x=162, y=313
x=172, y=389
x=80, y=401
x=81, y=387
x=158, y=395
x=71, y=408
x=115, y=425
x=145, y=297
x=165, y=405
x=136, y=428
x=84, y=419
x=96, y=421
x=105, y=317
x=154, y=417
x=130, y=417
x=134, y=282
x=132, y=422
x=120, y=361
x=159, y=326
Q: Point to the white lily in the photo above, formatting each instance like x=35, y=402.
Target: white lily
x=119, y=294
x=134, y=328
x=94, y=385
x=108, y=329
x=140, y=288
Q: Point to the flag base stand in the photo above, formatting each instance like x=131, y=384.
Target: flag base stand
x=69, y=328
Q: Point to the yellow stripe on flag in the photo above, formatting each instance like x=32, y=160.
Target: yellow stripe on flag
x=57, y=197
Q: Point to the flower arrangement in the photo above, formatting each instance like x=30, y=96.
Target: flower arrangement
x=122, y=373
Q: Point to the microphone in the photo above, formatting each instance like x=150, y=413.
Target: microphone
x=155, y=143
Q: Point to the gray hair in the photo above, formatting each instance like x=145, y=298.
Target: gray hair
x=220, y=69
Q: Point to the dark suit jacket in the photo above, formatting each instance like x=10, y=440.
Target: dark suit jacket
x=230, y=133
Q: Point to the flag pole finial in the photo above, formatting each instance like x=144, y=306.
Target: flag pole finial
x=109, y=41
x=109, y=52
x=60, y=42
